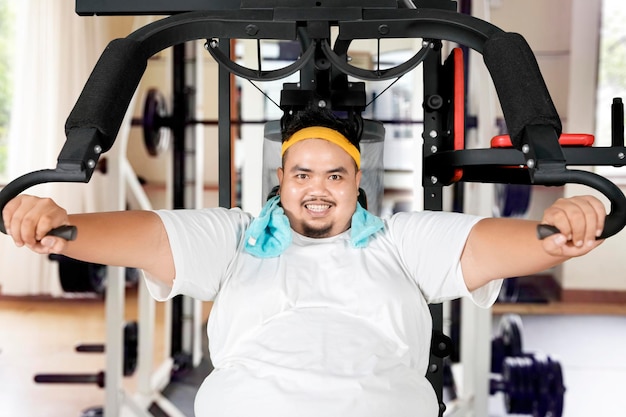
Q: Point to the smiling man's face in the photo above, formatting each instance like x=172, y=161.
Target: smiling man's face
x=319, y=186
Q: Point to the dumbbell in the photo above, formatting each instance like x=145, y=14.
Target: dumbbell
x=531, y=384
x=129, y=364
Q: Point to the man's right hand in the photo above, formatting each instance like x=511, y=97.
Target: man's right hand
x=27, y=219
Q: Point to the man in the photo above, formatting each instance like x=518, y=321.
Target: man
x=320, y=307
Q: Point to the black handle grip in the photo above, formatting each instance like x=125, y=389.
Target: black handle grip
x=615, y=220
x=545, y=230
x=66, y=232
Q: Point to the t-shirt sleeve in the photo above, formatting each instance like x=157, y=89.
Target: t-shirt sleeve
x=204, y=244
x=431, y=244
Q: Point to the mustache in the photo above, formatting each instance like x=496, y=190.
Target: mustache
x=318, y=200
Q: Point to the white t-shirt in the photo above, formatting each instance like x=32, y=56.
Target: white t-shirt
x=325, y=329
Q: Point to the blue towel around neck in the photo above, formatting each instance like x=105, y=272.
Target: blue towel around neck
x=270, y=234
x=364, y=225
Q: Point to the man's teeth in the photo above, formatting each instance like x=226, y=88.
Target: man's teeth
x=317, y=207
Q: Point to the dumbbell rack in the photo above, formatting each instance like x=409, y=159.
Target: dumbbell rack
x=532, y=383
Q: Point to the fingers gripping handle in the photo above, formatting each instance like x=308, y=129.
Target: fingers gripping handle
x=616, y=219
x=15, y=187
x=67, y=232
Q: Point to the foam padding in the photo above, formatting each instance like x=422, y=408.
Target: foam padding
x=107, y=93
x=522, y=91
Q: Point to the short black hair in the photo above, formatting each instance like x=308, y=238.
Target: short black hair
x=350, y=126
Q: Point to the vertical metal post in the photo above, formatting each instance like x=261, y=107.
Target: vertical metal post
x=433, y=199
x=617, y=122
x=179, y=116
x=224, y=130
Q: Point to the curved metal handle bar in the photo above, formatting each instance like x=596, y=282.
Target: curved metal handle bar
x=259, y=24
x=421, y=23
x=616, y=219
x=15, y=187
x=374, y=75
x=256, y=75
x=229, y=24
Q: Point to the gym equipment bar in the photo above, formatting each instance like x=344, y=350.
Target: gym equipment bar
x=530, y=115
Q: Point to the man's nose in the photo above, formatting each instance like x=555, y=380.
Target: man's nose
x=318, y=186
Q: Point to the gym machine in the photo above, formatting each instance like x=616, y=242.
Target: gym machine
x=534, y=156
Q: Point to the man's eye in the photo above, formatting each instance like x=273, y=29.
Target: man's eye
x=334, y=177
x=301, y=176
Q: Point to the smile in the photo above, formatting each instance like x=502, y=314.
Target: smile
x=318, y=208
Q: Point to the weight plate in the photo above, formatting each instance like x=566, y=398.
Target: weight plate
x=131, y=340
x=512, y=200
x=155, y=132
x=509, y=293
x=557, y=389
x=510, y=330
x=79, y=276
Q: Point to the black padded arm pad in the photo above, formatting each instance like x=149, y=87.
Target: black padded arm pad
x=523, y=94
x=105, y=98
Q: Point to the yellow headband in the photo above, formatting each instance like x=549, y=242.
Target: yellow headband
x=325, y=133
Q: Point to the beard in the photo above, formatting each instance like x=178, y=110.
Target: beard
x=316, y=232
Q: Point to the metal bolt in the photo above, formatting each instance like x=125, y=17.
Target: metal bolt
x=97, y=149
x=212, y=43
x=321, y=104
x=91, y=163
x=525, y=148
x=383, y=29
x=252, y=30
x=434, y=179
x=621, y=155
x=433, y=368
x=432, y=134
x=433, y=149
x=530, y=163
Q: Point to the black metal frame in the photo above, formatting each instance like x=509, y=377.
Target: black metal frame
x=536, y=157
x=88, y=135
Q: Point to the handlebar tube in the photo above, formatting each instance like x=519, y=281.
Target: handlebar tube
x=616, y=219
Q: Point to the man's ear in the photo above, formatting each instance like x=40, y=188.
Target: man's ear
x=359, y=174
x=280, y=173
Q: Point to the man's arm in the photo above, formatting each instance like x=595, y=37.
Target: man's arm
x=129, y=238
x=503, y=248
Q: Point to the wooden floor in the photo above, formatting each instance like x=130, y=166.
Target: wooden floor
x=559, y=308
x=39, y=336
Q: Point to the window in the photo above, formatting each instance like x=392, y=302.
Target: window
x=612, y=66
x=6, y=43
